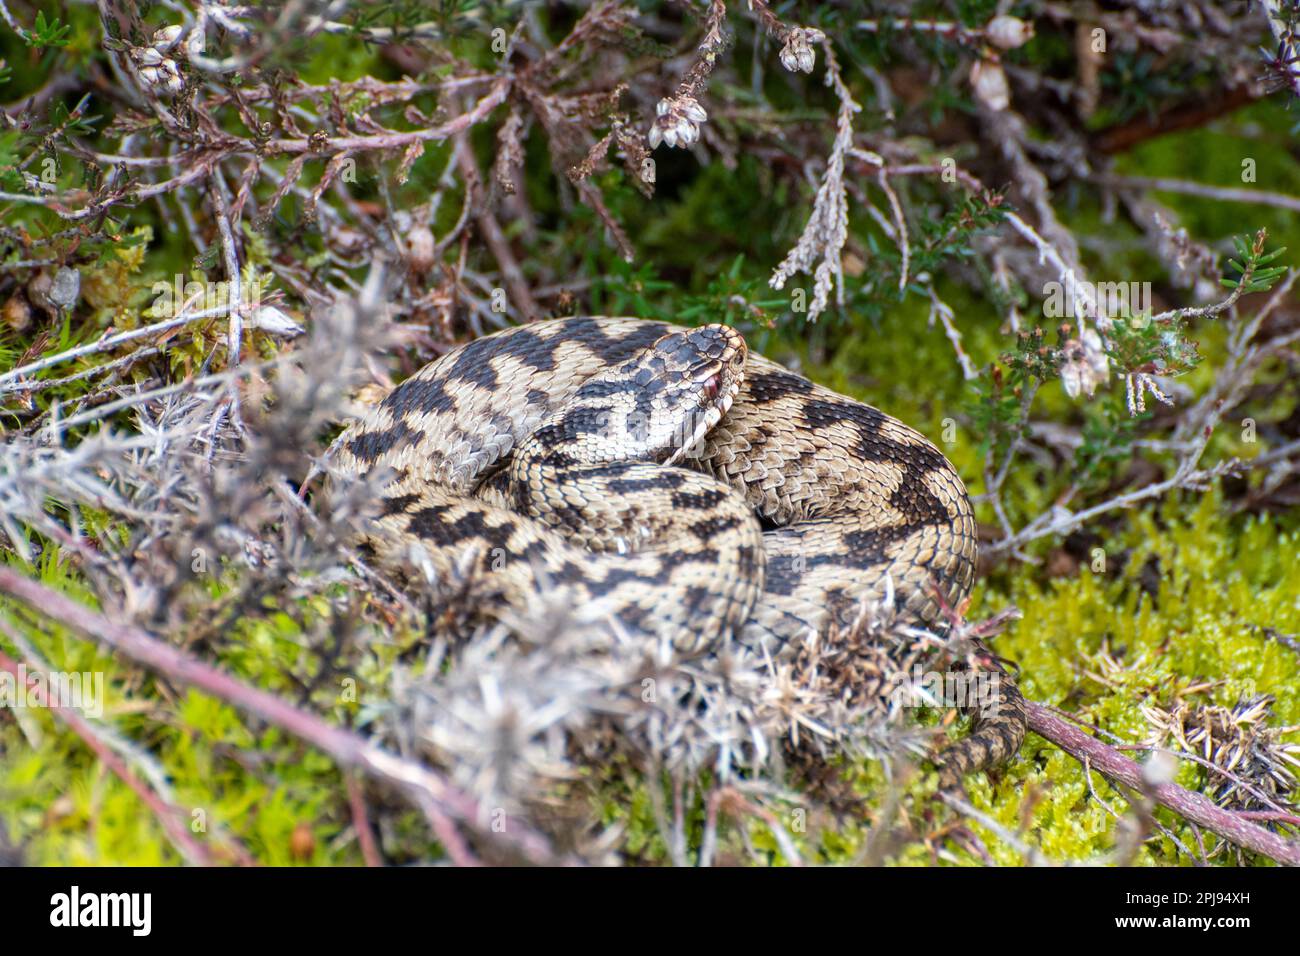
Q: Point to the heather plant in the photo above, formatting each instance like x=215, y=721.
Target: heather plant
x=1054, y=238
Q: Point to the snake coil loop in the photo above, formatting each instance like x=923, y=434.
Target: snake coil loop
x=679, y=486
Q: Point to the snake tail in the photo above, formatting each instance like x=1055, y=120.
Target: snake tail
x=998, y=729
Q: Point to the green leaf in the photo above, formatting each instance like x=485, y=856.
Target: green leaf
x=47, y=33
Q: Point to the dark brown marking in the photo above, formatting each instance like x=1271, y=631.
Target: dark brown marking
x=369, y=447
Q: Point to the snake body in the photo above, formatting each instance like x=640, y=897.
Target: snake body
x=680, y=487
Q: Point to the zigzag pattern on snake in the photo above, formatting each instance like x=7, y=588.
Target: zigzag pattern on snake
x=682, y=489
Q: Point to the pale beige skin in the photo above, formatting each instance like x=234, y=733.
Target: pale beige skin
x=855, y=504
x=589, y=500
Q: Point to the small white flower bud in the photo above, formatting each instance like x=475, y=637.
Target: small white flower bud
x=1007, y=32
x=990, y=84
x=677, y=123
x=165, y=39
x=694, y=112
x=797, y=55
x=419, y=248
x=66, y=288
x=1086, y=364
x=270, y=319
x=169, y=77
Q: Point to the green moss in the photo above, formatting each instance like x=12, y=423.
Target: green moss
x=230, y=781
x=1099, y=646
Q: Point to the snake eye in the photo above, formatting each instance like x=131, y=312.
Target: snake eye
x=711, y=387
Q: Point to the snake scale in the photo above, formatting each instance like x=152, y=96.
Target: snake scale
x=681, y=487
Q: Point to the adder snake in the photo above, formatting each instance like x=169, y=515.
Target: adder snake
x=680, y=487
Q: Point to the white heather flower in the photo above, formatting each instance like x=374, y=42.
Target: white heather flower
x=164, y=76
x=149, y=57
x=1086, y=365
x=1072, y=377
x=1072, y=369
x=990, y=84
x=270, y=319
x=1095, y=355
x=164, y=39
x=420, y=246
x=169, y=77
x=678, y=122
x=1007, y=33
x=35, y=184
x=194, y=44
x=797, y=54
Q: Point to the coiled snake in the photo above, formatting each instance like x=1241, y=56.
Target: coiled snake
x=682, y=488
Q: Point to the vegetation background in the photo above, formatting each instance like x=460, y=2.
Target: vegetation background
x=880, y=194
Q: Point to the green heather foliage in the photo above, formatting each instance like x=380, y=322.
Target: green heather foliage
x=1175, y=600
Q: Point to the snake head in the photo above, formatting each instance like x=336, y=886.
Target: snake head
x=702, y=370
x=656, y=405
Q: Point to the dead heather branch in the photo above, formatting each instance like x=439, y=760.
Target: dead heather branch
x=1192, y=806
x=442, y=803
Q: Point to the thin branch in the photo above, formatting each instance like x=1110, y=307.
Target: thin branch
x=104, y=344
x=1191, y=806
x=423, y=785
x=1257, y=197
x=234, y=297
x=168, y=816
